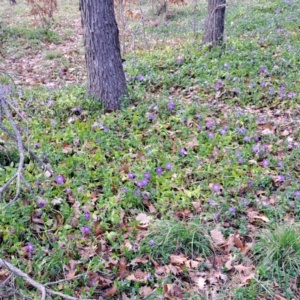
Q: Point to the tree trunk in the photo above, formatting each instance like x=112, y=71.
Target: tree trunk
x=105, y=75
x=214, y=26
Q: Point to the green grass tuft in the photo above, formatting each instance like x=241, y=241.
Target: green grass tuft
x=167, y=237
x=279, y=249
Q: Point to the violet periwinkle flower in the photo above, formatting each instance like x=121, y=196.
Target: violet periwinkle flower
x=168, y=166
x=29, y=247
x=59, y=179
x=158, y=170
x=87, y=215
x=151, y=243
x=215, y=187
x=232, y=209
x=86, y=229
x=130, y=175
x=171, y=105
x=265, y=163
x=182, y=151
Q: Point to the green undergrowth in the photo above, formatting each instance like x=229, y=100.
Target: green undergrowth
x=207, y=140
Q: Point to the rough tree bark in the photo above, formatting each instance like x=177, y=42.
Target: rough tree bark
x=214, y=26
x=105, y=75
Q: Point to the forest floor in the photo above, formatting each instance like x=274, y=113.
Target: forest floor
x=190, y=191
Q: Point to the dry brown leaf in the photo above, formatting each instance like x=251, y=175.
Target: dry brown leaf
x=263, y=218
x=217, y=237
x=143, y=218
x=191, y=264
x=177, y=259
x=279, y=297
x=172, y=291
x=139, y=259
x=228, y=264
x=145, y=290
x=110, y=292
x=122, y=268
x=201, y=283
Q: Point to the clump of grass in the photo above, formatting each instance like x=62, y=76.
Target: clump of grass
x=279, y=249
x=53, y=54
x=167, y=237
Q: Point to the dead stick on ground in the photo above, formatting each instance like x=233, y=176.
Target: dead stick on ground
x=39, y=286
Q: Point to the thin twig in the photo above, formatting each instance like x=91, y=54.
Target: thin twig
x=34, y=283
x=64, y=280
x=20, y=273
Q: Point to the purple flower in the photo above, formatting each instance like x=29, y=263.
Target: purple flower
x=223, y=130
x=255, y=148
x=249, y=182
x=282, y=88
x=36, y=144
x=140, y=77
x=232, y=209
x=147, y=175
x=279, y=164
x=148, y=276
x=198, y=126
x=150, y=116
x=198, y=116
x=87, y=215
x=171, y=105
x=86, y=229
x=215, y=187
x=263, y=69
x=245, y=202
x=168, y=166
x=59, y=179
x=144, y=181
x=139, y=183
x=265, y=163
x=180, y=59
x=36, y=182
x=291, y=94
x=280, y=178
x=211, y=201
x=123, y=189
x=251, y=85
x=200, y=162
x=263, y=84
x=240, y=160
x=158, y=170
x=210, y=134
x=53, y=122
x=216, y=217
x=297, y=194
x=137, y=192
x=271, y=90
x=29, y=247
x=246, y=138
x=41, y=203
x=67, y=190
x=256, y=138
x=130, y=175
x=182, y=151
x=79, y=189
x=151, y=243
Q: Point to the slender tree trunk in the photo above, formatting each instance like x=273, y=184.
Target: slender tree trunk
x=105, y=75
x=214, y=26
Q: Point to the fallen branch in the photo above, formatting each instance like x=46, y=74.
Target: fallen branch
x=37, y=285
